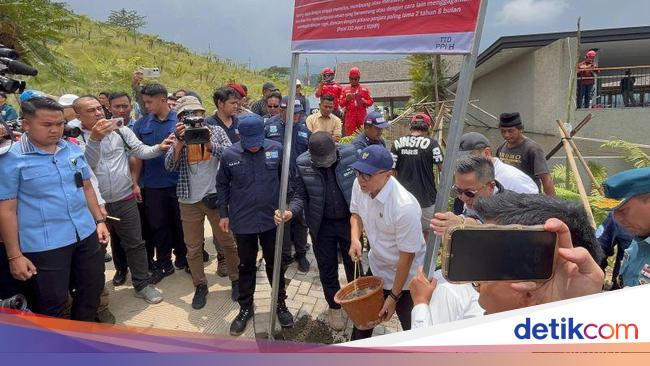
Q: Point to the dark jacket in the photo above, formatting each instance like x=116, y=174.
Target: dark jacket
x=310, y=187
x=362, y=141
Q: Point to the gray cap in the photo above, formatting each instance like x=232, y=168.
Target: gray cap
x=473, y=141
x=269, y=86
x=322, y=149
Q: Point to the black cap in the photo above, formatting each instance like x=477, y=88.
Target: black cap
x=322, y=149
x=509, y=119
x=473, y=141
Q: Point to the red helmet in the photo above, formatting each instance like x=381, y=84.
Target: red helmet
x=354, y=72
x=591, y=54
x=326, y=71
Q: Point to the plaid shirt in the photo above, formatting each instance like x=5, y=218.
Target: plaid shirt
x=220, y=141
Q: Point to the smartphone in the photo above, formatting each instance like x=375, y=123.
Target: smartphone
x=150, y=72
x=488, y=253
x=117, y=122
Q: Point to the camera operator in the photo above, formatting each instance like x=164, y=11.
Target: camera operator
x=49, y=216
x=576, y=267
x=197, y=165
x=108, y=155
x=7, y=112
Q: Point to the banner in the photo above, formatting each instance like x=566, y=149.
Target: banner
x=384, y=26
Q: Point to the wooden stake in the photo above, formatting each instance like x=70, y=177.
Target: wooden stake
x=574, y=168
x=581, y=158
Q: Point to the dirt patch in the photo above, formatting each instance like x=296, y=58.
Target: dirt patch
x=309, y=330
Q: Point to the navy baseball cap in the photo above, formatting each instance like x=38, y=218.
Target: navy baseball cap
x=251, y=131
x=377, y=120
x=284, y=103
x=627, y=184
x=373, y=159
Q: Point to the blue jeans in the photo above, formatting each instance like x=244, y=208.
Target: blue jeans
x=584, y=96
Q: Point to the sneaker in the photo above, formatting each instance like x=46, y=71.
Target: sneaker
x=284, y=316
x=303, y=263
x=336, y=319
x=180, y=263
x=238, y=326
x=161, y=273
x=105, y=316
x=201, y=292
x=149, y=294
x=222, y=271
x=206, y=256
x=120, y=278
x=234, y=292
x=107, y=257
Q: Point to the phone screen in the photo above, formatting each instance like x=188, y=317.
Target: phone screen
x=500, y=255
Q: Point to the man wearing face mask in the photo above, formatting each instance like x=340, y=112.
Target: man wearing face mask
x=324, y=190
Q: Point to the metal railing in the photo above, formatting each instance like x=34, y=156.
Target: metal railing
x=614, y=88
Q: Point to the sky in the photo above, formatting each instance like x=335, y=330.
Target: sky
x=258, y=32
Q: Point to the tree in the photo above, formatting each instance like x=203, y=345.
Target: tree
x=424, y=78
x=32, y=27
x=129, y=19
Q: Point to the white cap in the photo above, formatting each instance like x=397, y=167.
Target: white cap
x=298, y=82
x=66, y=100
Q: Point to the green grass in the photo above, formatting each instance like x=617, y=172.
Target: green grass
x=99, y=57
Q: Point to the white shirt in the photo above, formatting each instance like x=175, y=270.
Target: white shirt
x=450, y=302
x=392, y=223
x=513, y=179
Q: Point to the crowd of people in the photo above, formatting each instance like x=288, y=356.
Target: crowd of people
x=145, y=169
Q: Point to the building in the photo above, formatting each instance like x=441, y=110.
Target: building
x=532, y=74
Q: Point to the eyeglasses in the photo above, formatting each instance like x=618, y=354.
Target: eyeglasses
x=470, y=193
x=366, y=177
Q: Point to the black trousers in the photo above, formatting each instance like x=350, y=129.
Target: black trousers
x=81, y=263
x=247, y=249
x=164, y=217
x=402, y=309
x=119, y=256
x=295, y=236
x=333, y=237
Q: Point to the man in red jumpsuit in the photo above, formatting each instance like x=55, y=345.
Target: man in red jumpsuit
x=355, y=99
x=329, y=86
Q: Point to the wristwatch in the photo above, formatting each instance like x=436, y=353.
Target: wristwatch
x=100, y=221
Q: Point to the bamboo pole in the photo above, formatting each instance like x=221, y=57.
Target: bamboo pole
x=574, y=168
x=581, y=158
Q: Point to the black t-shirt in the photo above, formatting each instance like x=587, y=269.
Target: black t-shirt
x=527, y=157
x=415, y=157
x=232, y=131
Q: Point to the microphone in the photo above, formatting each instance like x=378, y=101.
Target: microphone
x=17, y=67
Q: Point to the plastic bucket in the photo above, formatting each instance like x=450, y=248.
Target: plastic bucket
x=362, y=310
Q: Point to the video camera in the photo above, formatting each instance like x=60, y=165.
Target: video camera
x=10, y=65
x=16, y=302
x=195, y=132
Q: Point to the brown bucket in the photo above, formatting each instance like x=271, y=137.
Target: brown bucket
x=363, y=310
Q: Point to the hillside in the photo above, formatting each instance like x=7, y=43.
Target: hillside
x=101, y=57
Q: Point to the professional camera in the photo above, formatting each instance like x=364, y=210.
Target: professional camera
x=9, y=64
x=71, y=132
x=16, y=302
x=195, y=133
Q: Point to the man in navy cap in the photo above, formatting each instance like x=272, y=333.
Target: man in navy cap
x=633, y=213
x=248, y=191
x=296, y=229
x=390, y=216
x=373, y=127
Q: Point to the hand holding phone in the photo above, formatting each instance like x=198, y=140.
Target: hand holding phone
x=150, y=72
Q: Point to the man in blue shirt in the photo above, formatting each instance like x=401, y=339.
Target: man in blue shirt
x=633, y=188
x=161, y=203
x=296, y=229
x=7, y=112
x=373, y=127
x=248, y=191
x=50, y=221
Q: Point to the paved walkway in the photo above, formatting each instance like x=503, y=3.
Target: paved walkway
x=304, y=291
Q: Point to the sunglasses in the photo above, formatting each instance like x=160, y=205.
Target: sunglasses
x=469, y=193
x=273, y=106
x=367, y=177
x=354, y=78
